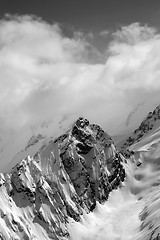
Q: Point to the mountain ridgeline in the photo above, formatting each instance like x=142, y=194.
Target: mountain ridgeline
x=64, y=179
x=148, y=124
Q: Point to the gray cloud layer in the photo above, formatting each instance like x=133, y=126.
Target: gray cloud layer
x=45, y=75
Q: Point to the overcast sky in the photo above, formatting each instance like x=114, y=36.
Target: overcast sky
x=97, y=59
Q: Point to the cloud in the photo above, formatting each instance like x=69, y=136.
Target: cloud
x=34, y=57
x=134, y=33
x=134, y=57
x=46, y=75
x=104, y=33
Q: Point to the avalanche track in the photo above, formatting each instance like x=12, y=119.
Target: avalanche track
x=111, y=221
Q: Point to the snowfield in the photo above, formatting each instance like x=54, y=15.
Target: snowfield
x=117, y=219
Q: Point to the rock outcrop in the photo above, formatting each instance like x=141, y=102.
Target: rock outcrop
x=64, y=178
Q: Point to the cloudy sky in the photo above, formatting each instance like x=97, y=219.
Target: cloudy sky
x=98, y=59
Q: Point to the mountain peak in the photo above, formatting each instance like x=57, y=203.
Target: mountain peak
x=64, y=178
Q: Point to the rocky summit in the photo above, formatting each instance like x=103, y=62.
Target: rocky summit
x=64, y=179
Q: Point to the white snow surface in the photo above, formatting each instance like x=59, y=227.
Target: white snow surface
x=117, y=219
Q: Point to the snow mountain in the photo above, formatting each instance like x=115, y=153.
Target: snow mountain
x=79, y=186
x=65, y=180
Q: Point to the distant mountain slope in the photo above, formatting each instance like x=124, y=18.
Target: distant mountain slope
x=148, y=126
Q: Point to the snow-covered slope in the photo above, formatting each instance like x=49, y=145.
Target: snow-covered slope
x=148, y=127
x=65, y=179
x=146, y=184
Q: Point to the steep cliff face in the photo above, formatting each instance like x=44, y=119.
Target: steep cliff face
x=63, y=179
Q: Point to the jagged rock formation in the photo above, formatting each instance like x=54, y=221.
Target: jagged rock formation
x=147, y=125
x=62, y=180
